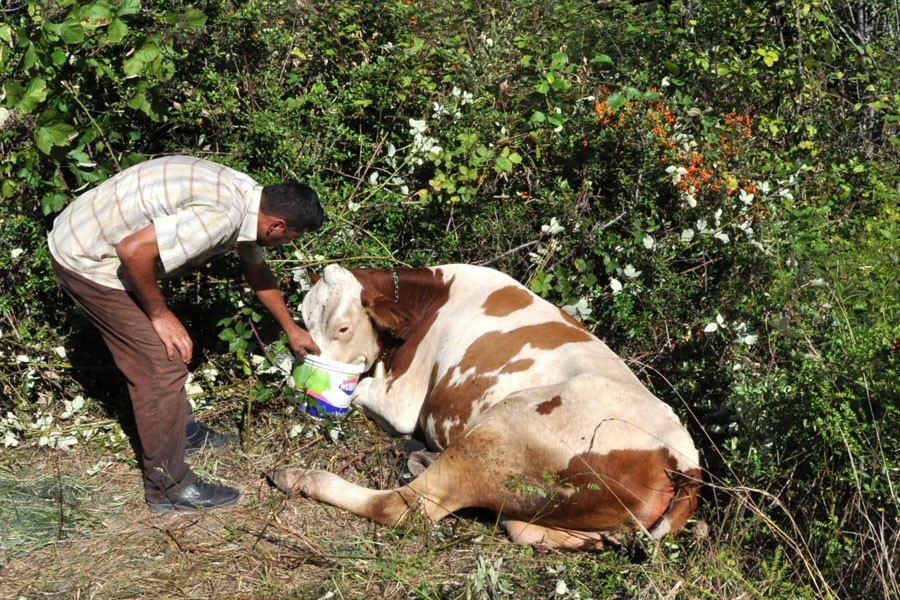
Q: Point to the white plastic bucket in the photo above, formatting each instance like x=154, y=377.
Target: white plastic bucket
x=326, y=384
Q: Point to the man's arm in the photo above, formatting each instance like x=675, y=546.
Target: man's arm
x=139, y=254
x=263, y=282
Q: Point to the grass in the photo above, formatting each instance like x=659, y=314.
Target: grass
x=76, y=530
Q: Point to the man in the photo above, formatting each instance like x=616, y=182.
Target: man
x=155, y=220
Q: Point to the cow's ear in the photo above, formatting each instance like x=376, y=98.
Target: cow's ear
x=314, y=276
x=384, y=312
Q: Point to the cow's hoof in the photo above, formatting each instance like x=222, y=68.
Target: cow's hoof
x=284, y=480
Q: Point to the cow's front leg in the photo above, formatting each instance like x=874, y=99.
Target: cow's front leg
x=394, y=414
x=387, y=507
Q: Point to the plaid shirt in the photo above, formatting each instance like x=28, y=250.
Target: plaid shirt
x=199, y=209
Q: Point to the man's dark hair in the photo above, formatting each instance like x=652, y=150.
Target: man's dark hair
x=296, y=203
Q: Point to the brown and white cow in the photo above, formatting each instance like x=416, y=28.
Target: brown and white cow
x=536, y=419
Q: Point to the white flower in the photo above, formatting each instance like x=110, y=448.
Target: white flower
x=416, y=126
x=373, y=178
x=9, y=440
x=561, y=588
x=211, y=373
x=580, y=310
x=64, y=442
x=714, y=326
x=553, y=228
x=296, y=430
x=60, y=351
x=722, y=237
x=16, y=253
x=748, y=339
x=649, y=242
x=616, y=285
x=687, y=235
x=631, y=272
x=746, y=198
x=22, y=358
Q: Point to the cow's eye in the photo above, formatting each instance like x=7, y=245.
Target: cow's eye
x=344, y=330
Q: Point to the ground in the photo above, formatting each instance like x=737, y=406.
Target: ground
x=77, y=527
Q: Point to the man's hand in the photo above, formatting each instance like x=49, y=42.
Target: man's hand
x=263, y=282
x=139, y=254
x=301, y=342
x=174, y=336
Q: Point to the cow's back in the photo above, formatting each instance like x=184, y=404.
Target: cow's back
x=494, y=338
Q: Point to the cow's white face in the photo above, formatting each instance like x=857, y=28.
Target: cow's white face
x=336, y=319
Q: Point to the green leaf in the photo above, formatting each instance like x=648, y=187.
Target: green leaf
x=95, y=15
x=137, y=63
x=31, y=57
x=616, y=101
x=116, y=31
x=54, y=134
x=34, y=94
x=54, y=202
x=129, y=7
x=195, y=18
x=71, y=31
x=602, y=59
x=558, y=61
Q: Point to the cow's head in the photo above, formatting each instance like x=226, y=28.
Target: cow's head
x=347, y=321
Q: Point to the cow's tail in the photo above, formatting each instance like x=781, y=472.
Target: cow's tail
x=686, y=486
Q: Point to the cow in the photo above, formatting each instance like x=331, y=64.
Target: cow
x=534, y=417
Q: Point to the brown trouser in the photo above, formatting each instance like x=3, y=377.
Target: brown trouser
x=155, y=383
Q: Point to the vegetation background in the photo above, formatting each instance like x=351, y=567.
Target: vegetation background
x=710, y=186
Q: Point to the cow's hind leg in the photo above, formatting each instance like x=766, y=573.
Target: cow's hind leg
x=565, y=539
x=434, y=494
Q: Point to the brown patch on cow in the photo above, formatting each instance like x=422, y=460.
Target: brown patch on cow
x=545, y=408
x=506, y=301
x=454, y=394
x=495, y=349
x=421, y=293
x=608, y=492
x=517, y=366
x=454, y=403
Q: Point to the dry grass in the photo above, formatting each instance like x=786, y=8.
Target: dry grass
x=89, y=535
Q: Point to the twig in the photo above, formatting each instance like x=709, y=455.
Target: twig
x=508, y=252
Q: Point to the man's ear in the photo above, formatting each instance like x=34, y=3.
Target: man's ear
x=276, y=225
